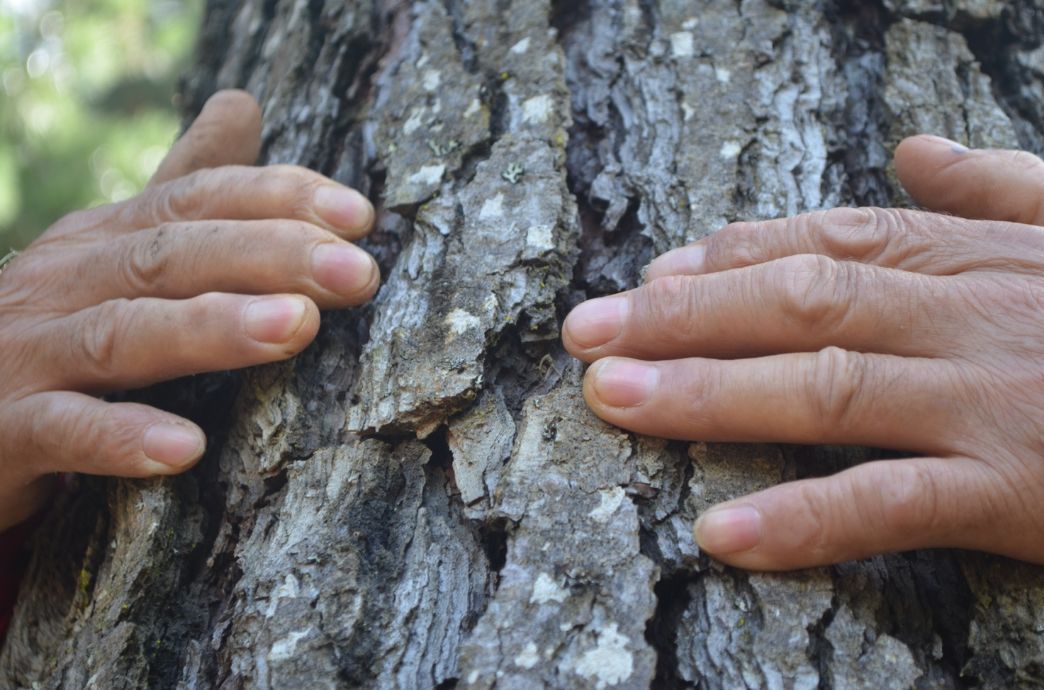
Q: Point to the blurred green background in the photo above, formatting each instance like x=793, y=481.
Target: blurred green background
x=86, y=102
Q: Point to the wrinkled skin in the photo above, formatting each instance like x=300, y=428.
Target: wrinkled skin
x=215, y=266
x=909, y=330
x=898, y=329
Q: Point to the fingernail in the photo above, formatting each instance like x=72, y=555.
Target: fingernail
x=343, y=207
x=624, y=382
x=682, y=261
x=173, y=445
x=729, y=530
x=597, y=321
x=954, y=146
x=342, y=268
x=274, y=319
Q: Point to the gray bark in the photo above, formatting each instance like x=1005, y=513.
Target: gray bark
x=422, y=500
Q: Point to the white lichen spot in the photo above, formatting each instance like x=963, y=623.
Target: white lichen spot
x=609, y=663
x=521, y=47
x=413, y=124
x=540, y=237
x=289, y=589
x=610, y=501
x=730, y=149
x=691, y=23
x=473, y=108
x=492, y=208
x=723, y=75
x=537, y=109
x=423, y=61
x=432, y=79
x=460, y=321
x=682, y=44
x=473, y=677
x=529, y=657
x=429, y=174
x=286, y=648
x=545, y=589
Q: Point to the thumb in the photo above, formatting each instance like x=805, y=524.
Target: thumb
x=987, y=184
x=227, y=132
x=878, y=507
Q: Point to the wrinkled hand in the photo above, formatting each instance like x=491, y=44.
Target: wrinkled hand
x=215, y=266
x=887, y=328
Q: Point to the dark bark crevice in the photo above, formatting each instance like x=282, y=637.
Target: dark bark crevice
x=523, y=542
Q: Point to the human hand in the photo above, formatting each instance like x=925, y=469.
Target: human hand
x=214, y=266
x=889, y=328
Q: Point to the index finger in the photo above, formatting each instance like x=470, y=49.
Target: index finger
x=227, y=132
x=248, y=193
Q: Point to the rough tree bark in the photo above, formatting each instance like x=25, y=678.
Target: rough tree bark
x=421, y=500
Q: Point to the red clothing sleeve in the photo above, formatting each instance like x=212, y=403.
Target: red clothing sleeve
x=14, y=556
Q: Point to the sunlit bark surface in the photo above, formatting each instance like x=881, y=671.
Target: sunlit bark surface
x=422, y=500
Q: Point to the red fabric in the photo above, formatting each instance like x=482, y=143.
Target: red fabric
x=14, y=556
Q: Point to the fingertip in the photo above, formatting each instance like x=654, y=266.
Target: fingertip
x=934, y=143
x=344, y=209
x=688, y=260
x=920, y=159
x=227, y=131
x=346, y=270
x=729, y=529
x=172, y=447
x=235, y=115
x=280, y=319
x=621, y=383
x=237, y=102
x=594, y=323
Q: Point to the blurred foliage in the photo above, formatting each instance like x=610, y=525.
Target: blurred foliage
x=86, y=112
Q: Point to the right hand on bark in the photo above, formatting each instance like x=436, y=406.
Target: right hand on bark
x=916, y=331
x=215, y=266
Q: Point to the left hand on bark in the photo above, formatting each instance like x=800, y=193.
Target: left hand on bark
x=218, y=265
x=900, y=329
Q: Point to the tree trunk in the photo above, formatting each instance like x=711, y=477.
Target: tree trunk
x=422, y=499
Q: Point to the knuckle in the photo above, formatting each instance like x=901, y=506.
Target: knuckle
x=206, y=307
x=668, y=300
x=91, y=430
x=100, y=337
x=736, y=245
x=814, y=530
x=146, y=262
x=1025, y=162
x=83, y=220
x=699, y=385
x=833, y=385
x=909, y=500
x=863, y=234
x=299, y=185
x=183, y=198
x=813, y=289
x=298, y=232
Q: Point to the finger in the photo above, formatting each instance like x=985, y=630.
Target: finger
x=801, y=303
x=831, y=396
x=248, y=193
x=878, y=507
x=70, y=432
x=182, y=260
x=893, y=238
x=227, y=132
x=990, y=184
x=124, y=344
